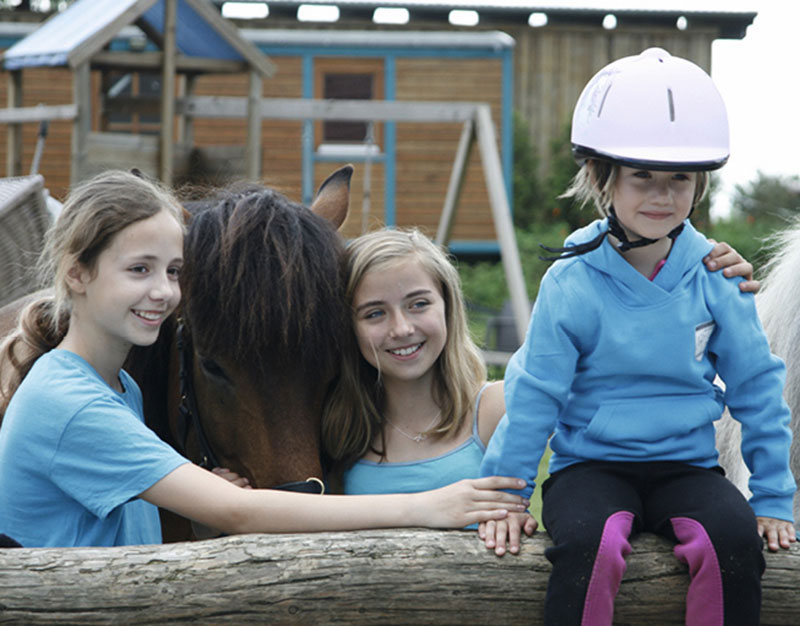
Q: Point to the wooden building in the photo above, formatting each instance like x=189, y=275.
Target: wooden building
x=403, y=168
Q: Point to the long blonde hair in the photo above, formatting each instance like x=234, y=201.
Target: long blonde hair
x=353, y=415
x=94, y=213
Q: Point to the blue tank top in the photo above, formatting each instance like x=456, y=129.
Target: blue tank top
x=368, y=477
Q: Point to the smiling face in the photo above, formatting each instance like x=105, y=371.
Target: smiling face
x=651, y=203
x=134, y=285
x=399, y=320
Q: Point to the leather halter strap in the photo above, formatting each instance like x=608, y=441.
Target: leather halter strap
x=187, y=410
x=189, y=413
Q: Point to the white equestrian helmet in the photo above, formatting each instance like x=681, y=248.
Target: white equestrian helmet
x=653, y=111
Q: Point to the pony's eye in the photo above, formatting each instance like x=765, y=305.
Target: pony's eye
x=212, y=368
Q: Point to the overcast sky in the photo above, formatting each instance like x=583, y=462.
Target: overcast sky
x=760, y=82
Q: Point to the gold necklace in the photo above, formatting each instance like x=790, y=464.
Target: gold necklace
x=419, y=437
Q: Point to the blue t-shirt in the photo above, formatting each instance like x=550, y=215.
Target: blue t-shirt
x=74, y=456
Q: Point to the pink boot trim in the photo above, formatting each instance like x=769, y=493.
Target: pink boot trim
x=609, y=567
x=704, y=603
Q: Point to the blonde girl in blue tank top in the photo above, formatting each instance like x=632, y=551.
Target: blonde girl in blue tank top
x=411, y=409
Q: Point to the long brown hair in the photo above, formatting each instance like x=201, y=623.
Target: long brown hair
x=94, y=213
x=353, y=415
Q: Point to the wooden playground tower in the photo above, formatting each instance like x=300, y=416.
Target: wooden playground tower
x=191, y=38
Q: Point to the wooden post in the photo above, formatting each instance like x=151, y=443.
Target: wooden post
x=185, y=128
x=168, y=92
x=366, y=198
x=82, y=124
x=252, y=155
x=397, y=576
x=501, y=211
x=14, y=131
x=463, y=151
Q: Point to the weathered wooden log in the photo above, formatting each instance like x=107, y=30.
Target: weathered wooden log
x=370, y=577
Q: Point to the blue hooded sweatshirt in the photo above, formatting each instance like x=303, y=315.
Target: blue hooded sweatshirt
x=620, y=368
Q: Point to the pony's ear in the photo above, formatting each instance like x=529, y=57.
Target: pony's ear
x=333, y=196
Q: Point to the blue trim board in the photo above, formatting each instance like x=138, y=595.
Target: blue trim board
x=308, y=132
x=390, y=144
x=466, y=247
x=473, y=247
x=349, y=158
x=324, y=51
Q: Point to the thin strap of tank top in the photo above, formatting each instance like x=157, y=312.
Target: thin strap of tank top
x=475, y=413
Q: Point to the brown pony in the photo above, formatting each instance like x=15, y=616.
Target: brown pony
x=246, y=361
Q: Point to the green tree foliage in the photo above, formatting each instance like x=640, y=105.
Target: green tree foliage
x=527, y=188
x=758, y=209
x=767, y=198
x=750, y=239
x=484, y=282
x=560, y=172
x=536, y=198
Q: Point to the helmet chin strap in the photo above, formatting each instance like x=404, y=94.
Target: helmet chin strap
x=614, y=228
x=625, y=244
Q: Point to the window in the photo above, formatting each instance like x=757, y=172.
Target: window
x=131, y=102
x=346, y=87
x=348, y=79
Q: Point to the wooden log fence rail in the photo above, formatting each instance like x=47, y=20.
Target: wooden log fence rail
x=408, y=576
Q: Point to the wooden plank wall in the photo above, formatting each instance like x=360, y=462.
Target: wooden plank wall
x=425, y=152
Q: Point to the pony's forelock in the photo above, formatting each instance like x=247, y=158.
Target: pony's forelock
x=263, y=282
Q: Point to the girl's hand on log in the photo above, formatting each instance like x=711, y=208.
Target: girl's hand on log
x=495, y=534
x=471, y=501
x=777, y=532
x=232, y=477
x=724, y=257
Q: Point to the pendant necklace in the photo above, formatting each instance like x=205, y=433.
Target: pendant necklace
x=419, y=437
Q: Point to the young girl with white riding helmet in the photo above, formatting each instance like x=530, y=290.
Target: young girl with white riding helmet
x=78, y=466
x=626, y=338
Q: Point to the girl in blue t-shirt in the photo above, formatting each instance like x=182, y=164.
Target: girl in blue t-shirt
x=77, y=464
x=620, y=360
x=411, y=409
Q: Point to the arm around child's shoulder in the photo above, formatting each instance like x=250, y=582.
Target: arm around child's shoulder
x=754, y=380
x=492, y=407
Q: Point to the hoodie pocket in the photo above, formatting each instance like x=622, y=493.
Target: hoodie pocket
x=652, y=419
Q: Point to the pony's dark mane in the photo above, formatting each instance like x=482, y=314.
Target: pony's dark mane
x=149, y=366
x=263, y=281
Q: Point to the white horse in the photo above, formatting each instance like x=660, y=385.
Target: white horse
x=778, y=305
